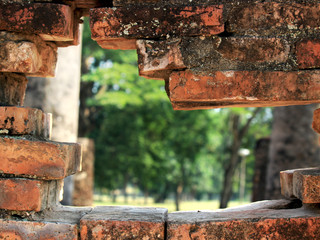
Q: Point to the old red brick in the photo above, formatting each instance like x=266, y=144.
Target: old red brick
x=24, y=121
x=243, y=88
x=43, y=159
x=286, y=181
x=53, y=22
x=123, y=223
x=251, y=224
x=23, y=230
x=213, y=53
x=306, y=185
x=149, y=22
x=12, y=89
x=316, y=120
x=308, y=53
x=273, y=18
x=28, y=195
x=118, y=43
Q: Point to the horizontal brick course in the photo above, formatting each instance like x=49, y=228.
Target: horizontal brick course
x=41, y=159
x=123, y=223
x=20, y=194
x=272, y=18
x=214, y=53
x=53, y=22
x=243, y=88
x=148, y=22
x=24, y=121
x=251, y=224
x=22, y=230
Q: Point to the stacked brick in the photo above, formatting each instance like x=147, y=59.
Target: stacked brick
x=210, y=54
x=220, y=53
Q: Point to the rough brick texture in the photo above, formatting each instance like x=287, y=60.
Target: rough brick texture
x=27, y=54
x=191, y=90
x=41, y=159
x=306, y=185
x=214, y=53
x=12, y=89
x=286, y=181
x=28, y=195
x=316, y=120
x=308, y=53
x=149, y=22
x=273, y=18
x=22, y=230
x=250, y=224
x=24, y=121
x=53, y=22
x=123, y=223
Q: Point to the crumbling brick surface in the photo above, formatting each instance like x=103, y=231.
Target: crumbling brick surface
x=123, y=223
x=12, y=89
x=21, y=194
x=53, y=22
x=22, y=230
x=24, y=121
x=250, y=224
x=308, y=53
x=111, y=23
x=40, y=159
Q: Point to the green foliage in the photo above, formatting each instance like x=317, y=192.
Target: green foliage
x=139, y=138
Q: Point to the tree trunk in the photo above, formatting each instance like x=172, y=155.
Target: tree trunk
x=260, y=169
x=177, y=195
x=293, y=144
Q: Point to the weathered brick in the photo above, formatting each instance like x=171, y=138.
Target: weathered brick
x=118, y=43
x=123, y=223
x=149, y=22
x=306, y=185
x=192, y=90
x=27, y=54
x=214, y=53
x=251, y=224
x=24, y=121
x=53, y=22
x=308, y=53
x=273, y=18
x=20, y=194
x=12, y=89
x=316, y=120
x=286, y=182
x=42, y=159
x=23, y=230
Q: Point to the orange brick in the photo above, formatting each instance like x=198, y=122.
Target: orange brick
x=306, y=185
x=24, y=121
x=191, y=90
x=53, y=22
x=28, y=195
x=308, y=53
x=252, y=224
x=286, y=182
x=271, y=18
x=150, y=22
x=123, y=223
x=12, y=89
x=27, y=54
x=42, y=159
x=23, y=230
x=316, y=120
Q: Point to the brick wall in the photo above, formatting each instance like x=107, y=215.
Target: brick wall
x=210, y=54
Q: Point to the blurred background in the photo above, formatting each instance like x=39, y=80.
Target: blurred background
x=138, y=151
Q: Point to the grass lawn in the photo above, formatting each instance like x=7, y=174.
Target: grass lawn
x=185, y=205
